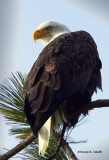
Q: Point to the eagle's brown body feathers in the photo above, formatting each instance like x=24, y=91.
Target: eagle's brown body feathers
x=67, y=72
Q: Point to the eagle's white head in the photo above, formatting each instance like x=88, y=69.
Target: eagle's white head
x=49, y=30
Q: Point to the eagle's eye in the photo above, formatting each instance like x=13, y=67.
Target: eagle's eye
x=49, y=28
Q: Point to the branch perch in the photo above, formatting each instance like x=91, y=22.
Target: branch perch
x=69, y=151
x=18, y=148
x=29, y=139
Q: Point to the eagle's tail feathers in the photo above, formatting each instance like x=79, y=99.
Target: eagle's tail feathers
x=43, y=136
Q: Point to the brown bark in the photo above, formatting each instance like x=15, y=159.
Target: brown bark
x=17, y=148
x=69, y=151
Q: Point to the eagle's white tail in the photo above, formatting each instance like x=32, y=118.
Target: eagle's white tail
x=46, y=131
x=43, y=136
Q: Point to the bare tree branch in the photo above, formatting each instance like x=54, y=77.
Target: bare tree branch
x=29, y=139
x=69, y=151
x=18, y=148
x=92, y=105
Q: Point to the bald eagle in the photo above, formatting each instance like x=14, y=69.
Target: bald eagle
x=61, y=81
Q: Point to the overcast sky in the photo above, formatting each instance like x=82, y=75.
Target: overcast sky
x=18, y=52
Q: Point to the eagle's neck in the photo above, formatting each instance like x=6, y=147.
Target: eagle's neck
x=47, y=40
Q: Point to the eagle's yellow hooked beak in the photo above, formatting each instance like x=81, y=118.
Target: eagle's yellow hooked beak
x=38, y=34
